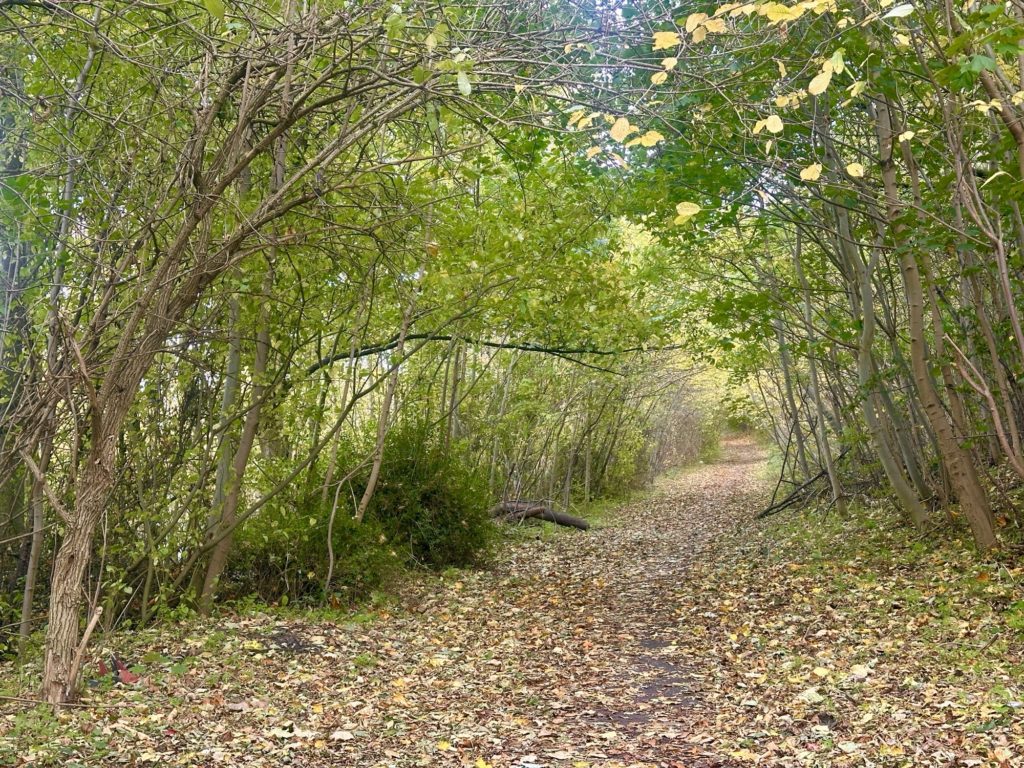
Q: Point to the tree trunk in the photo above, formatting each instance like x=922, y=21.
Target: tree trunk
x=826, y=450
x=957, y=462
x=385, y=417
x=794, y=412
x=93, y=490
x=229, y=508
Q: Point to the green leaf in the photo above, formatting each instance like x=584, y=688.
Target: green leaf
x=394, y=25
x=215, y=8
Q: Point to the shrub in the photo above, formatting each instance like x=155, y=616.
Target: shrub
x=429, y=508
x=431, y=501
x=284, y=552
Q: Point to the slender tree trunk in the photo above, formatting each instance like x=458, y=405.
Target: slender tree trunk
x=94, y=485
x=794, y=412
x=824, y=448
x=956, y=460
x=383, y=423
x=236, y=475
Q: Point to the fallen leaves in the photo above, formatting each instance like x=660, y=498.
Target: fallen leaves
x=669, y=637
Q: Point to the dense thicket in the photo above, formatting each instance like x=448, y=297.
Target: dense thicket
x=867, y=236
x=294, y=292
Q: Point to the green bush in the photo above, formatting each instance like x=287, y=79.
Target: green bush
x=429, y=508
x=283, y=552
x=431, y=502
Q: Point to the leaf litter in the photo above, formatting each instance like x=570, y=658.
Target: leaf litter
x=679, y=633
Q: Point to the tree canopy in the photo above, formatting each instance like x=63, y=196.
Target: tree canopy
x=294, y=290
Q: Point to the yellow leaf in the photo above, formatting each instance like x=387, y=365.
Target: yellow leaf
x=659, y=77
x=686, y=211
x=811, y=173
x=855, y=169
x=669, y=63
x=651, y=138
x=694, y=20
x=575, y=116
x=820, y=82
x=621, y=129
x=665, y=40
x=857, y=88
x=519, y=87
x=699, y=34
x=782, y=69
x=744, y=754
x=837, y=62
x=593, y=152
x=777, y=12
x=715, y=25
x=773, y=123
x=906, y=136
x=587, y=121
x=481, y=763
x=443, y=746
x=891, y=750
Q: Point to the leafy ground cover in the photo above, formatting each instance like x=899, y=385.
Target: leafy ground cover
x=675, y=633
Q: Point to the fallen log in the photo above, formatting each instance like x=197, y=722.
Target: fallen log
x=524, y=510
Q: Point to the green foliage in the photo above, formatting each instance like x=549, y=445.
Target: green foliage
x=430, y=501
x=284, y=557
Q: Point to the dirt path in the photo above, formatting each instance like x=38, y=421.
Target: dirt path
x=561, y=654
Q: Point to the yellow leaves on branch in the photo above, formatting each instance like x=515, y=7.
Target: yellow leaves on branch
x=856, y=170
x=669, y=63
x=685, y=212
x=819, y=84
x=659, y=77
x=663, y=40
x=835, y=65
x=700, y=24
x=772, y=123
x=811, y=172
x=776, y=13
x=694, y=20
x=621, y=129
x=649, y=139
x=581, y=120
x=789, y=99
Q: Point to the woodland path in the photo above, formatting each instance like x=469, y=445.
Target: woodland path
x=562, y=653
x=568, y=650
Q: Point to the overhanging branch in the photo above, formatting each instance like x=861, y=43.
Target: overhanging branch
x=526, y=346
